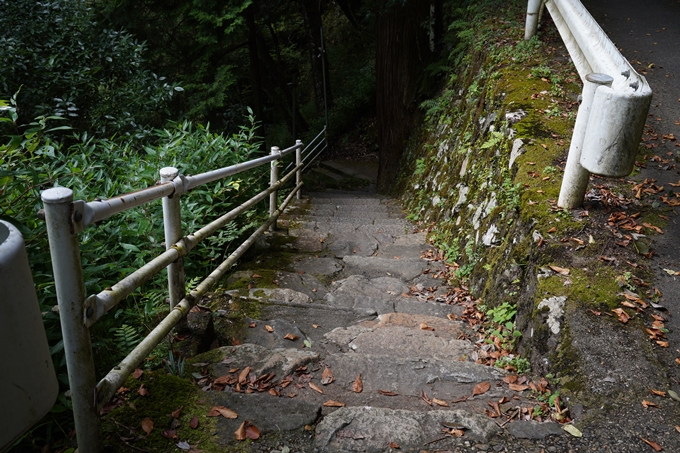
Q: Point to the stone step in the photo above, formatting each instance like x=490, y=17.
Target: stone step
x=405, y=268
x=366, y=170
x=329, y=173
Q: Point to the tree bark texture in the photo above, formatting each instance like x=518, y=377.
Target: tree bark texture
x=402, y=47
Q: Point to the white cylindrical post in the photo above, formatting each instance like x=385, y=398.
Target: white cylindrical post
x=298, y=161
x=172, y=223
x=28, y=383
x=575, y=180
x=274, y=177
x=533, y=13
x=68, y=280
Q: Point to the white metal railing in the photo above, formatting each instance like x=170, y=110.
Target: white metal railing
x=614, y=105
x=66, y=218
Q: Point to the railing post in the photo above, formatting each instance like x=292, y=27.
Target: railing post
x=575, y=180
x=68, y=280
x=274, y=177
x=534, y=10
x=298, y=161
x=172, y=223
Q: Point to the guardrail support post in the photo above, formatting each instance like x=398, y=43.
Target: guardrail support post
x=274, y=177
x=298, y=161
x=575, y=180
x=68, y=280
x=172, y=223
x=534, y=13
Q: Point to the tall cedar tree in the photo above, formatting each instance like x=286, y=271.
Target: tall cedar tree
x=402, y=49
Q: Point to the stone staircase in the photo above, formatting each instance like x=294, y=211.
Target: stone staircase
x=355, y=347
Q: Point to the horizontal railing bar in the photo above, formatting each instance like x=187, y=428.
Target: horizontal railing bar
x=317, y=155
x=98, y=210
x=115, y=378
x=315, y=139
x=98, y=305
x=306, y=153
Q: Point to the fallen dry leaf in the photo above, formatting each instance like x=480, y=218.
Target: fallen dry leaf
x=481, y=388
x=387, y=393
x=652, y=444
x=560, y=270
x=327, y=376
x=252, y=325
x=439, y=402
x=425, y=398
x=659, y=392
x=394, y=445
x=357, y=385
x=243, y=375
x=291, y=337
x=510, y=379
x=315, y=387
x=647, y=404
x=316, y=326
x=622, y=315
x=169, y=434
x=216, y=411
x=143, y=391
x=518, y=388
x=194, y=422
x=247, y=431
x=331, y=403
x=147, y=425
x=269, y=328
x=137, y=373
x=424, y=326
x=175, y=414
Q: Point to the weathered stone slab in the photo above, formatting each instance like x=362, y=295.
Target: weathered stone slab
x=280, y=361
x=372, y=429
x=271, y=340
x=351, y=244
x=379, y=287
x=531, y=429
x=319, y=266
x=302, y=283
x=279, y=294
x=405, y=376
x=438, y=309
x=268, y=413
x=408, y=269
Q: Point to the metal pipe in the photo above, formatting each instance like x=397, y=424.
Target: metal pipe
x=580, y=61
x=172, y=224
x=575, y=180
x=298, y=161
x=531, y=26
x=97, y=305
x=70, y=289
x=273, y=178
x=115, y=378
x=317, y=155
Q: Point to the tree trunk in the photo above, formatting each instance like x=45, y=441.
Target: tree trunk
x=401, y=50
x=311, y=13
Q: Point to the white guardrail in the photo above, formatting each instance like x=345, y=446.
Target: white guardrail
x=615, y=100
x=66, y=218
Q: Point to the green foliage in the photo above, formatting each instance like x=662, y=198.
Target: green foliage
x=175, y=367
x=68, y=65
x=520, y=364
x=126, y=338
x=501, y=325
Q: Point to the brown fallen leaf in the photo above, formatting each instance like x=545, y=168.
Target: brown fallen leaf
x=269, y=328
x=243, y=375
x=424, y=326
x=169, y=434
x=394, y=446
x=331, y=403
x=143, y=391
x=147, y=425
x=137, y=373
x=552, y=230
x=481, y=388
x=659, y=392
x=510, y=379
x=252, y=325
x=677, y=428
x=560, y=270
x=316, y=326
x=622, y=315
x=653, y=227
x=652, y=444
x=439, y=402
x=647, y=404
x=357, y=385
x=315, y=387
x=240, y=433
x=291, y=337
x=518, y=388
x=216, y=411
x=194, y=422
x=252, y=432
x=327, y=376
x=387, y=393
x=175, y=414
x=425, y=398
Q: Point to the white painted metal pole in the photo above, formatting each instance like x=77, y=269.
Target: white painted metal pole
x=575, y=180
x=298, y=161
x=172, y=223
x=533, y=10
x=274, y=176
x=68, y=279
